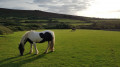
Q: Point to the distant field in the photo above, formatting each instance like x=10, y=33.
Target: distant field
x=33, y=20
x=60, y=20
x=75, y=24
x=110, y=20
x=69, y=20
x=82, y=48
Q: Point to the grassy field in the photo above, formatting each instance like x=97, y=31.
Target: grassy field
x=69, y=20
x=75, y=24
x=82, y=48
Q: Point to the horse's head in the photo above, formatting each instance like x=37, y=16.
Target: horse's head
x=21, y=49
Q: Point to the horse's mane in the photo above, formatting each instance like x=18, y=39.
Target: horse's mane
x=24, y=37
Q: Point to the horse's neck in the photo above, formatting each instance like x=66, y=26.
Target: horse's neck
x=24, y=38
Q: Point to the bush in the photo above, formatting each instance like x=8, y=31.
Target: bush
x=33, y=26
x=63, y=26
x=57, y=26
x=16, y=28
x=106, y=25
x=12, y=24
x=5, y=30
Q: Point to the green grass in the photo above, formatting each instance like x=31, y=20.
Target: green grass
x=33, y=20
x=82, y=48
x=75, y=24
x=69, y=20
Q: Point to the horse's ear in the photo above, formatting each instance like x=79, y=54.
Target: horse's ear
x=41, y=35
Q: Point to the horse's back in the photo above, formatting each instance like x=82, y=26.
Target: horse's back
x=34, y=36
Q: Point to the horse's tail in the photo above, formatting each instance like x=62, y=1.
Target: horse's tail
x=52, y=43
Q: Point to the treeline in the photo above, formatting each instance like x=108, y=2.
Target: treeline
x=98, y=25
x=9, y=27
x=101, y=26
x=11, y=24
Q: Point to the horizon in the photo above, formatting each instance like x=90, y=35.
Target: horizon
x=87, y=8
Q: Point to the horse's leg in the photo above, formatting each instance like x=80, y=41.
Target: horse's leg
x=31, y=50
x=52, y=46
x=35, y=48
x=49, y=42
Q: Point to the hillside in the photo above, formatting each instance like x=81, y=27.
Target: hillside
x=36, y=14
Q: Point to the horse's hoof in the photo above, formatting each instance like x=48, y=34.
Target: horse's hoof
x=45, y=52
x=36, y=54
x=20, y=55
x=52, y=50
x=30, y=52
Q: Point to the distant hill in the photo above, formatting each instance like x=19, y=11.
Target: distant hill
x=19, y=20
x=37, y=13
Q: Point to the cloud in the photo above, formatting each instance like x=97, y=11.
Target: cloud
x=63, y=6
x=116, y=10
x=19, y=4
x=5, y=0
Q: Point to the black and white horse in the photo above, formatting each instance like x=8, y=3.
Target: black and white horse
x=34, y=37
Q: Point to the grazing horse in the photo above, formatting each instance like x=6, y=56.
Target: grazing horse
x=34, y=37
x=73, y=29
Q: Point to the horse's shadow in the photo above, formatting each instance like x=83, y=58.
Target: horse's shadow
x=19, y=62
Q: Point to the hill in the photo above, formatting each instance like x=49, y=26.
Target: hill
x=36, y=14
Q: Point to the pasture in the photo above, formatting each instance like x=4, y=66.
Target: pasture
x=82, y=48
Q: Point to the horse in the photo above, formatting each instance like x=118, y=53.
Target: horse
x=73, y=29
x=34, y=37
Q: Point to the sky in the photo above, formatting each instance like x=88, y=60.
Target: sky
x=88, y=8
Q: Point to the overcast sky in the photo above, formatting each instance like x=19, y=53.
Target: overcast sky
x=89, y=8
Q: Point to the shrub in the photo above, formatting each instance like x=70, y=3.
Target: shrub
x=16, y=28
x=63, y=26
x=5, y=30
x=106, y=25
x=33, y=26
x=12, y=24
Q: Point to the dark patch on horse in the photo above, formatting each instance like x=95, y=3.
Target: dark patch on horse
x=46, y=37
x=21, y=48
x=41, y=35
x=30, y=41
